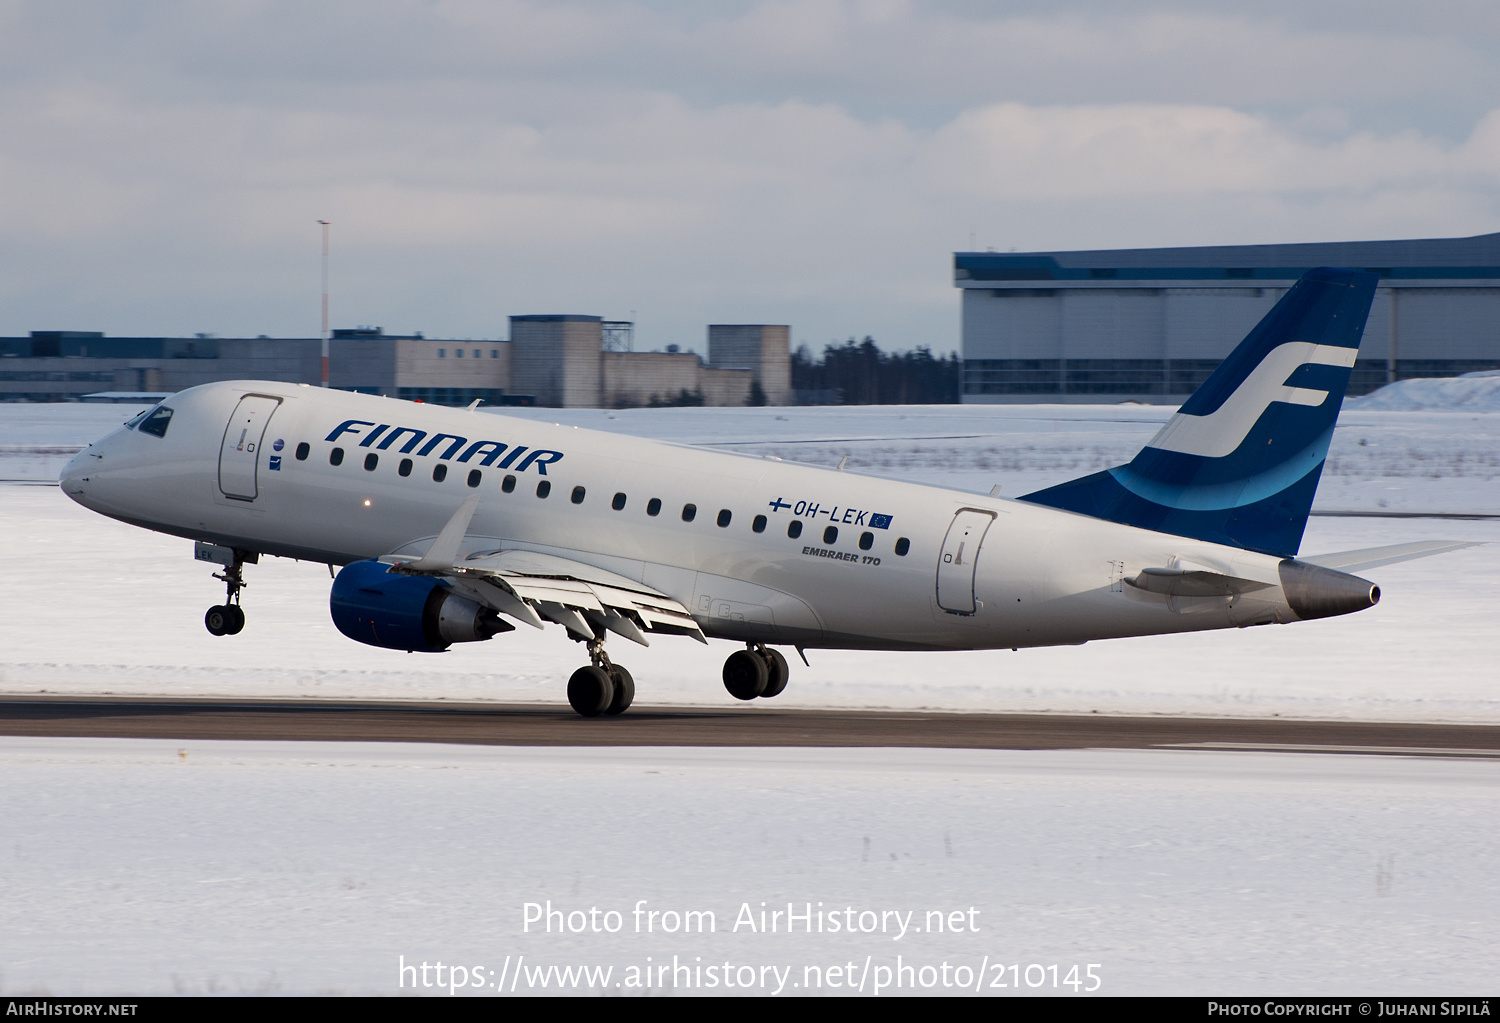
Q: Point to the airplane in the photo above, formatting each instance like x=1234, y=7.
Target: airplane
x=454, y=525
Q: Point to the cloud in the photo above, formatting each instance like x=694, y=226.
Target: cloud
x=1013, y=152
x=813, y=163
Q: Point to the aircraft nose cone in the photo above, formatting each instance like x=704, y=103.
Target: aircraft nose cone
x=74, y=474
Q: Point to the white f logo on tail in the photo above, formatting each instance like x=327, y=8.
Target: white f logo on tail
x=1223, y=430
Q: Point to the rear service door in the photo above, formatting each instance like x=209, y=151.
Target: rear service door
x=239, y=455
x=955, y=574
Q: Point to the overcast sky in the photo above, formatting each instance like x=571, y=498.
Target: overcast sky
x=162, y=164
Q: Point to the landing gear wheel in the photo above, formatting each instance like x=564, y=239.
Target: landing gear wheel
x=590, y=691
x=228, y=618
x=624, y=690
x=745, y=675
x=778, y=671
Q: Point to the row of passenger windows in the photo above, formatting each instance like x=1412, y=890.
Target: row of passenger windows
x=618, y=502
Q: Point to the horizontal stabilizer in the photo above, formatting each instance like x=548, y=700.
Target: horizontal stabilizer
x=1374, y=557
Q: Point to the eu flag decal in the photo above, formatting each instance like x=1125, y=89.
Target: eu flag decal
x=880, y=521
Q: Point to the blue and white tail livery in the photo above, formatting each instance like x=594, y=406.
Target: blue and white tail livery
x=1239, y=462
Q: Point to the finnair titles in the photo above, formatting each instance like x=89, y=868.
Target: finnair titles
x=456, y=526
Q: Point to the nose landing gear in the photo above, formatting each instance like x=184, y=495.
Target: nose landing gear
x=224, y=619
x=228, y=618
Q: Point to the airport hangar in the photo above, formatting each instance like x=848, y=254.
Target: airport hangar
x=554, y=360
x=1150, y=325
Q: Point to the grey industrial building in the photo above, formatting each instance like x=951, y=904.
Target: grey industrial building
x=561, y=359
x=1149, y=325
x=417, y=368
x=66, y=365
x=557, y=360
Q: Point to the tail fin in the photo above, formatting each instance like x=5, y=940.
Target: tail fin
x=1239, y=462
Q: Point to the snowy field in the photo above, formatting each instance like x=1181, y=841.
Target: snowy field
x=134, y=866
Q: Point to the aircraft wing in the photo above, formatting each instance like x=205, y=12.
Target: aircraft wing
x=1374, y=557
x=537, y=588
x=614, y=602
x=534, y=588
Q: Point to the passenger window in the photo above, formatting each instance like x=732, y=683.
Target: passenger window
x=405, y=467
x=157, y=422
x=831, y=535
x=508, y=484
x=866, y=541
x=724, y=517
x=303, y=450
x=439, y=472
x=653, y=506
x=759, y=525
x=371, y=461
x=794, y=529
x=902, y=546
x=689, y=512
x=336, y=456
x=474, y=477
x=577, y=497
x=543, y=488
x=618, y=504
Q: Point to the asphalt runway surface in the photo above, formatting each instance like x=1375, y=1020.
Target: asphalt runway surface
x=752, y=725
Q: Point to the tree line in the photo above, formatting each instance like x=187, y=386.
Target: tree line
x=859, y=373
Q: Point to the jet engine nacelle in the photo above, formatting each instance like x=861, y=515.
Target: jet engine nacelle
x=372, y=604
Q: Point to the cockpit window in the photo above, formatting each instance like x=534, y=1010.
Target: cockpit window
x=133, y=421
x=157, y=422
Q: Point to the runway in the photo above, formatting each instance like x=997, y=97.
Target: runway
x=534, y=725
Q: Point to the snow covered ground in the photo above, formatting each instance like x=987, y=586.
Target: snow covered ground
x=137, y=866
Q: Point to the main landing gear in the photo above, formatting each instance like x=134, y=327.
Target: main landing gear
x=603, y=687
x=600, y=687
x=758, y=671
x=228, y=618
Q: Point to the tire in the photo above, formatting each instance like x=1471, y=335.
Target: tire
x=590, y=691
x=778, y=672
x=745, y=675
x=624, y=691
x=216, y=620
x=236, y=615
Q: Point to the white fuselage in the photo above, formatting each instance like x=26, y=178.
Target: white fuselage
x=974, y=571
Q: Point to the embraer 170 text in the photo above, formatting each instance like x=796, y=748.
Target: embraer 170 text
x=452, y=525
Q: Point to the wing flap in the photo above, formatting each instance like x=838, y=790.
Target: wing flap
x=535, y=587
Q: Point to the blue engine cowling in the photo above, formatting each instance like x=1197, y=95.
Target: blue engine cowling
x=371, y=604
